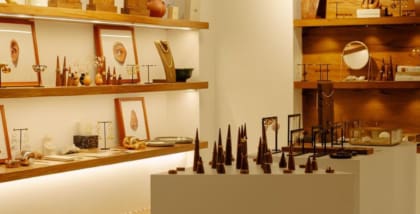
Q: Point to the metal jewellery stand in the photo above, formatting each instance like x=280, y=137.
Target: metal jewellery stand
x=290, y=130
x=104, y=124
x=20, y=137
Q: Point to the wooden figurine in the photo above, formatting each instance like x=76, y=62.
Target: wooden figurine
x=74, y=4
x=102, y=5
x=258, y=160
x=196, y=150
x=291, y=162
x=58, y=73
x=167, y=60
x=64, y=74
x=220, y=153
x=114, y=77
x=135, y=7
x=228, y=150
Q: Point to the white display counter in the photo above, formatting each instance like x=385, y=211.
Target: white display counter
x=385, y=181
x=210, y=193
x=418, y=184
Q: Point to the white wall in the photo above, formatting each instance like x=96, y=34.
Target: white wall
x=253, y=65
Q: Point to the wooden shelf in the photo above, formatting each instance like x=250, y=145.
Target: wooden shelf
x=42, y=168
x=92, y=90
x=363, y=85
x=78, y=15
x=356, y=21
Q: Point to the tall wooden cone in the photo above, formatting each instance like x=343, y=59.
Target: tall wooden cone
x=58, y=73
x=314, y=163
x=282, y=163
x=200, y=166
x=239, y=151
x=228, y=150
x=291, y=162
x=258, y=160
x=214, y=157
x=308, y=167
x=196, y=150
x=245, y=166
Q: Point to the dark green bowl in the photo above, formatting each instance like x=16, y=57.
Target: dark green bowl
x=182, y=74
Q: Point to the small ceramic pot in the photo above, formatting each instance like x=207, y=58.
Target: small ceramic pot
x=157, y=8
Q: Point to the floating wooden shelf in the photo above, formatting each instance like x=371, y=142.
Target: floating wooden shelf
x=363, y=85
x=356, y=21
x=78, y=15
x=51, y=167
x=92, y=90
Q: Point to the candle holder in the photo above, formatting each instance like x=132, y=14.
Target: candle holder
x=4, y=68
x=39, y=69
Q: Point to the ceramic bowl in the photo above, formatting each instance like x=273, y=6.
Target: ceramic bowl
x=182, y=74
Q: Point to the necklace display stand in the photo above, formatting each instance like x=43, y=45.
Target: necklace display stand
x=167, y=60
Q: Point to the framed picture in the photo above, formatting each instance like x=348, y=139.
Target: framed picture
x=131, y=118
x=5, y=152
x=19, y=53
x=117, y=45
x=271, y=127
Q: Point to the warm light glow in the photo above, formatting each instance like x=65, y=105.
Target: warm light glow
x=15, y=31
x=93, y=21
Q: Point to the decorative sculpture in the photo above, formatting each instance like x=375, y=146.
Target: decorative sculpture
x=282, y=163
x=200, y=166
x=214, y=156
x=228, y=150
x=196, y=150
x=239, y=151
x=308, y=166
x=245, y=166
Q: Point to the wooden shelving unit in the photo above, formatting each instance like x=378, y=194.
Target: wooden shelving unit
x=93, y=90
x=50, y=167
x=78, y=15
x=357, y=21
x=363, y=85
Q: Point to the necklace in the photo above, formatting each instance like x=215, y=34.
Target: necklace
x=164, y=47
x=328, y=95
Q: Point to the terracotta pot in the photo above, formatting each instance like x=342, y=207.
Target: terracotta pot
x=157, y=8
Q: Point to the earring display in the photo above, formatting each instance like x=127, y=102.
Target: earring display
x=104, y=132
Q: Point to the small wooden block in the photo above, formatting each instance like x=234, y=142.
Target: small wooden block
x=74, y=4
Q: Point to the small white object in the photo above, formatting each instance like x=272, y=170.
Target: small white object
x=384, y=135
x=173, y=12
x=368, y=13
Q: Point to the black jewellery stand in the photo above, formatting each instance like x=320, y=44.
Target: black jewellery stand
x=148, y=72
x=291, y=131
x=299, y=133
x=104, y=124
x=273, y=121
x=342, y=153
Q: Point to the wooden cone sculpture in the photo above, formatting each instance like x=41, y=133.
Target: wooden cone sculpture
x=200, y=166
x=244, y=139
x=239, y=151
x=228, y=150
x=258, y=160
x=308, y=167
x=196, y=150
x=245, y=166
x=266, y=165
x=220, y=153
x=220, y=168
x=214, y=157
x=291, y=162
x=314, y=163
x=282, y=163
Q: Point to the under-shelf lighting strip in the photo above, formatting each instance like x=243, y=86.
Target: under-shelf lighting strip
x=24, y=16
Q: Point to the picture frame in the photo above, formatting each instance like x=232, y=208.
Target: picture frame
x=117, y=44
x=5, y=151
x=131, y=118
x=19, y=36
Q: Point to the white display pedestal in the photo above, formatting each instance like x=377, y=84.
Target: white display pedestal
x=297, y=193
x=418, y=184
x=385, y=181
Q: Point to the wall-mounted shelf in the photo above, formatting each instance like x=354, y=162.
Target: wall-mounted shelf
x=363, y=85
x=92, y=90
x=43, y=167
x=356, y=21
x=78, y=15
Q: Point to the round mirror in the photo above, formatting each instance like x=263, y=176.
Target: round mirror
x=356, y=55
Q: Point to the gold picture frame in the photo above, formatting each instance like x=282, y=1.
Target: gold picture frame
x=118, y=45
x=131, y=118
x=5, y=151
x=20, y=53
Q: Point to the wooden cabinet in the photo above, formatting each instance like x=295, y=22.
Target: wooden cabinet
x=61, y=109
x=387, y=103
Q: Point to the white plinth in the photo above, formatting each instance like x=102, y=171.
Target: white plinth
x=418, y=184
x=298, y=193
x=385, y=181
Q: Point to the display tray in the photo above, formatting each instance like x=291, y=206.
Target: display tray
x=176, y=140
x=155, y=143
x=373, y=144
x=309, y=149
